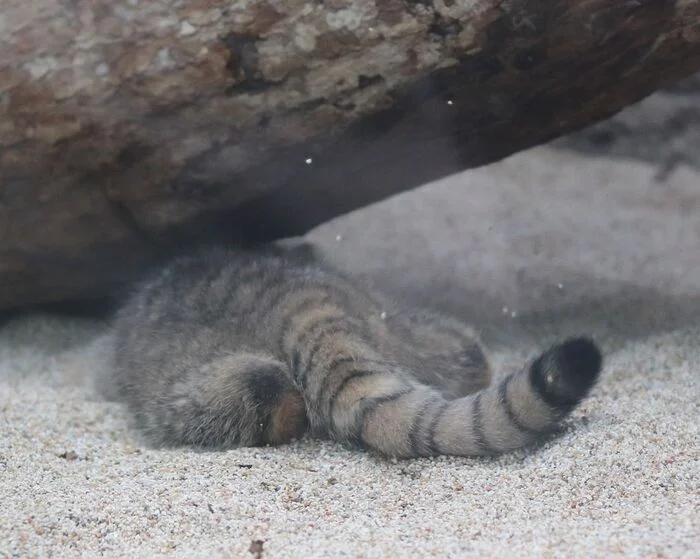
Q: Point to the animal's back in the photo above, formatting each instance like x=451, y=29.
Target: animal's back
x=230, y=347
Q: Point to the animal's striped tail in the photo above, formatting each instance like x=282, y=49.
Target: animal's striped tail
x=389, y=412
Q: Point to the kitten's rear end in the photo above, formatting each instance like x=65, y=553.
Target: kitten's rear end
x=230, y=348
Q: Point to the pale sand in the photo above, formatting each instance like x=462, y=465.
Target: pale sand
x=567, y=244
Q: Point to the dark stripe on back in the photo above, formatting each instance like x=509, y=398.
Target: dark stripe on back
x=308, y=365
x=504, y=400
x=270, y=297
x=313, y=301
x=315, y=334
x=224, y=305
x=273, y=285
x=264, y=282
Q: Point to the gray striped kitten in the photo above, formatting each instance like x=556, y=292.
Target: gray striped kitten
x=230, y=348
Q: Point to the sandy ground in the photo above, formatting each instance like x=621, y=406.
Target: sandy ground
x=541, y=245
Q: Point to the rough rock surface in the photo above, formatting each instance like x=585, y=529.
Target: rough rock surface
x=130, y=127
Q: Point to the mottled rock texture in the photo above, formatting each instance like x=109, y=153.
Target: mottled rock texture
x=130, y=127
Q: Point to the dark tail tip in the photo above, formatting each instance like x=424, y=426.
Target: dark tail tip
x=565, y=373
x=581, y=358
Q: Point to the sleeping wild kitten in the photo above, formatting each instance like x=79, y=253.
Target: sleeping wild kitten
x=230, y=348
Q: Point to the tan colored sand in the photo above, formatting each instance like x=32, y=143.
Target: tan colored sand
x=565, y=243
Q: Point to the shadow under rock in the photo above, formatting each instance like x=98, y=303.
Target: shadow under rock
x=612, y=312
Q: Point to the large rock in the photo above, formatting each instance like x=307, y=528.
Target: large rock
x=132, y=128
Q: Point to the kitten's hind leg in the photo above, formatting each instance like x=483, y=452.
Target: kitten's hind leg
x=443, y=352
x=239, y=399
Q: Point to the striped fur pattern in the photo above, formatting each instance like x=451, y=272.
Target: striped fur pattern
x=230, y=348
